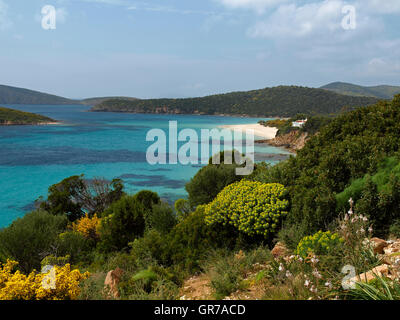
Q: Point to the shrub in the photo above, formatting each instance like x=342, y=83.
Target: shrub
x=88, y=227
x=149, y=250
x=161, y=218
x=75, y=245
x=30, y=238
x=192, y=239
x=209, y=181
x=123, y=222
x=253, y=208
x=17, y=286
x=148, y=198
x=182, y=208
x=320, y=243
x=74, y=196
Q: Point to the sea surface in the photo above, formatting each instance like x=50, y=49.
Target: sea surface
x=107, y=145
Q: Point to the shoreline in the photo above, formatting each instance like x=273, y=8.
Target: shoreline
x=30, y=124
x=261, y=131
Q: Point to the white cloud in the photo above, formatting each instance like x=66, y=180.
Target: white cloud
x=380, y=6
x=258, y=5
x=299, y=21
x=4, y=21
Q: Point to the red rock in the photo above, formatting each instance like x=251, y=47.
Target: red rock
x=379, y=245
x=112, y=280
x=279, y=250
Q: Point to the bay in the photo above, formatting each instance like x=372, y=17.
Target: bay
x=109, y=145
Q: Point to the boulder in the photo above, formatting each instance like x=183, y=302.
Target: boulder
x=113, y=278
x=381, y=271
x=379, y=245
x=279, y=251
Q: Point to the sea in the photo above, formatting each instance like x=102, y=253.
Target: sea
x=98, y=145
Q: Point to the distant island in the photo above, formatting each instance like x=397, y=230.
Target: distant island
x=380, y=92
x=282, y=101
x=15, y=117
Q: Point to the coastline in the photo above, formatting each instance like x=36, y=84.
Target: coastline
x=261, y=131
x=10, y=123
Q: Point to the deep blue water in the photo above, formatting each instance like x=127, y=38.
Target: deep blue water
x=109, y=145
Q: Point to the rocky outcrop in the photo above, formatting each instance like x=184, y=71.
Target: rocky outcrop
x=292, y=141
x=279, y=251
x=113, y=278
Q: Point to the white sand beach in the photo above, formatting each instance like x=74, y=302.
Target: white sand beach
x=259, y=130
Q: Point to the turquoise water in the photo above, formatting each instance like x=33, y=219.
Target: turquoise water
x=109, y=145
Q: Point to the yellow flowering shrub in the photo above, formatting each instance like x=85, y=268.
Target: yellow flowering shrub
x=319, y=243
x=15, y=285
x=254, y=208
x=89, y=227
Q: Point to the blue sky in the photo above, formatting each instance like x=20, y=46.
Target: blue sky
x=181, y=48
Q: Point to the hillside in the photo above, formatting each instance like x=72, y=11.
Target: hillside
x=380, y=92
x=13, y=95
x=15, y=117
x=98, y=100
x=280, y=101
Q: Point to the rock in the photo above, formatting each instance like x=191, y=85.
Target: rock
x=378, y=245
x=382, y=270
x=112, y=280
x=279, y=250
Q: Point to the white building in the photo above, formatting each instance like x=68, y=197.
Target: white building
x=299, y=123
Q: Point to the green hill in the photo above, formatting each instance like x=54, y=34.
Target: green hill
x=283, y=101
x=98, y=100
x=381, y=92
x=13, y=95
x=15, y=117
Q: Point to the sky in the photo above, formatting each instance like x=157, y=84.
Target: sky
x=186, y=48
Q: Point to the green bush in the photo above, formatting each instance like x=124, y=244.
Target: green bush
x=192, y=239
x=161, y=218
x=149, y=250
x=320, y=243
x=30, y=238
x=122, y=223
x=148, y=198
x=77, y=246
x=209, y=181
x=253, y=208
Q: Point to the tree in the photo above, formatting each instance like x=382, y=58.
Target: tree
x=31, y=238
x=75, y=196
x=122, y=222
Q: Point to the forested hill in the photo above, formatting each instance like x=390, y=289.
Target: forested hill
x=16, y=117
x=282, y=101
x=13, y=95
x=381, y=92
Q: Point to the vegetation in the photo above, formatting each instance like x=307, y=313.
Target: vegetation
x=282, y=101
x=225, y=228
x=253, y=208
x=13, y=95
x=381, y=92
x=15, y=117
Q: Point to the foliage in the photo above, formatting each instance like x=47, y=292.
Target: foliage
x=75, y=196
x=30, y=238
x=192, y=239
x=182, y=209
x=283, y=101
x=253, y=208
x=88, y=227
x=379, y=288
x=161, y=218
x=320, y=243
x=10, y=116
x=381, y=92
x=75, y=245
x=14, y=285
x=122, y=223
x=349, y=147
x=148, y=198
x=209, y=181
x=52, y=260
